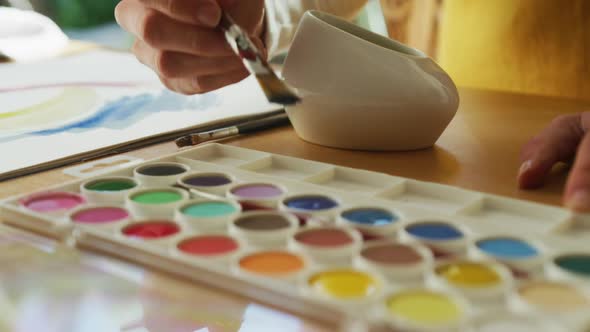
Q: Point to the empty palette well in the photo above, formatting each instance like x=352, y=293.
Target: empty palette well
x=223, y=155
x=343, y=178
x=286, y=167
x=525, y=216
x=430, y=196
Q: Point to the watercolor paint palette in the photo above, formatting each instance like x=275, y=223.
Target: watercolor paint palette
x=356, y=249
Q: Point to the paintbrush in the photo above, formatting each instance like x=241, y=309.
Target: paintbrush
x=243, y=128
x=274, y=88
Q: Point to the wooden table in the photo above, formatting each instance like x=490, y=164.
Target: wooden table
x=479, y=151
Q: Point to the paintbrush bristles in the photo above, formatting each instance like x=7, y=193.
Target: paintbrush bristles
x=184, y=141
x=276, y=91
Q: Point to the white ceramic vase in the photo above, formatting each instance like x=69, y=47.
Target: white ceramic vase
x=363, y=91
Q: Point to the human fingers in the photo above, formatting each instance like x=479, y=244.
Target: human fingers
x=164, y=33
x=206, y=13
x=170, y=64
x=557, y=142
x=203, y=84
x=577, y=190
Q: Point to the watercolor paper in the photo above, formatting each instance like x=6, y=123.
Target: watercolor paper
x=95, y=101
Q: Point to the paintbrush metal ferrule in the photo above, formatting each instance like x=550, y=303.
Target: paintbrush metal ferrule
x=274, y=120
x=216, y=134
x=199, y=138
x=275, y=90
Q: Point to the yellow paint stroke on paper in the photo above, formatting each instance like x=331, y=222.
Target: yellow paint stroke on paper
x=70, y=104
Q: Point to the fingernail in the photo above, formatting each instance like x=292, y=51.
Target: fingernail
x=209, y=15
x=579, y=201
x=525, y=167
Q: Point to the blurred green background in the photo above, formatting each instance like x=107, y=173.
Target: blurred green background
x=77, y=13
x=87, y=20
x=83, y=13
x=94, y=20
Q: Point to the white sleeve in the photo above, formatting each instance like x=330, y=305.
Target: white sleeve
x=282, y=17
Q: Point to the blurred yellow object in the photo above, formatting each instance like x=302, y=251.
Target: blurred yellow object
x=525, y=46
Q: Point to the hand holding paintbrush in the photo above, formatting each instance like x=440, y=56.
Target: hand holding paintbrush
x=276, y=91
x=183, y=41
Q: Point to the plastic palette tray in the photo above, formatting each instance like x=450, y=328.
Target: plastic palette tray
x=480, y=261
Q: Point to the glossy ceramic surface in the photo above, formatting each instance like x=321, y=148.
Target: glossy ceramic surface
x=363, y=91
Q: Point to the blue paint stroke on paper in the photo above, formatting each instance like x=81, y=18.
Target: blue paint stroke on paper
x=125, y=111
x=122, y=113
